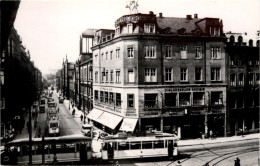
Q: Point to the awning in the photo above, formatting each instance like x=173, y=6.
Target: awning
x=94, y=114
x=109, y=120
x=128, y=124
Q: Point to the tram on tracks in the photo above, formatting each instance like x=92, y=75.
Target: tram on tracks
x=66, y=149
x=150, y=145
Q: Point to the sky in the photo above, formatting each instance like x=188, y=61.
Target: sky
x=51, y=29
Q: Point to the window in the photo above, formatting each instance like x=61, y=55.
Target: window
x=232, y=60
x=101, y=96
x=257, y=79
x=106, y=56
x=149, y=28
x=184, y=99
x=241, y=79
x=103, y=75
x=106, y=75
x=168, y=75
x=184, y=74
x=198, y=74
x=118, y=99
x=130, y=99
x=117, y=53
x=232, y=79
x=170, y=99
x=106, y=97
x=96, y=76
x=147, y=144
x=111, y=55
x=123, y=145
x=215, y=53
x=198, y=52
x=131, y=77
x=240, y=61
x=214, y=31
x=96, y=95
x=130, y=52
x=102, y=57
x=118, y=76
x=135, y=145
x=111, y=98
x=117, y=31
x=183, y=52
x=149, y=52
x=240, y=102
x=111, y=76
x=216, y=98
x=250, y=63
x=129, y=28
x=215, y=74
x=257, y=62
x=251, y=78
x=150, y=100
x=198, y=98
x=150, y=75
x=168, y=51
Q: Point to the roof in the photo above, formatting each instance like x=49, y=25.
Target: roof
x=88, y=32
x=177, y=24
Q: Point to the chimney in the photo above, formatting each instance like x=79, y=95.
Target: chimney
x=188, y=17
x=160, y=15
x=151, y=12
x=195, y=15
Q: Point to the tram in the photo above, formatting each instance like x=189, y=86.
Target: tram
x=152, y=145
x=53, y=123
x=72, y=149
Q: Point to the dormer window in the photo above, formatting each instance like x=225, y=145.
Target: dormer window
x=117, y=30
x=149, y=28
x=129, y=28
x=214, y=31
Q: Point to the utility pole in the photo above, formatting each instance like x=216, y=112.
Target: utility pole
x=84, y=97
x=30, y=136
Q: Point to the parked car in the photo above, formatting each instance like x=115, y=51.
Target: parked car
x=87, y=130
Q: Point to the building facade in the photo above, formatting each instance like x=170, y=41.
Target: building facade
x=243, y=84
x=160, y=73
x=67, y=78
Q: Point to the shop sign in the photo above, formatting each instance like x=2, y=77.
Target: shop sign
x=184, y=89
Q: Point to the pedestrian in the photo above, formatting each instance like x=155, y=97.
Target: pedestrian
x=81, y=117
x=73, y=112
x=58, y=110
x=211, y=134
x=237, y=162
x=178, y=163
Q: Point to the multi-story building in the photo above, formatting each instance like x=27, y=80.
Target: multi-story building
x=68, y=79
x=243, y=84
x=160, y=73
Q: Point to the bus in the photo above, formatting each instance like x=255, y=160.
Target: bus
x=73, y=149
x=149, y=145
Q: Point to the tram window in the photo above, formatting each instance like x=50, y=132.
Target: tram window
x=115, y=145
x=25, y=150
x=158, y=144
x=166, y=143
x=59, y=148
x=135, y=145
x=147, y=145
x=38, y=149
x=123, y=145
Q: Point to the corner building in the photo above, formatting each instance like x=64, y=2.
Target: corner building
x=160, y=73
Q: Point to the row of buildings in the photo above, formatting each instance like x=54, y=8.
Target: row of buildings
x=21, y=84
x=165, y=73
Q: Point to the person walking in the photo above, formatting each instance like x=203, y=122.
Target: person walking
x=81, y=117
x=73, y=112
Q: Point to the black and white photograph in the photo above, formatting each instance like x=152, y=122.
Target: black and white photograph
x=130, y=82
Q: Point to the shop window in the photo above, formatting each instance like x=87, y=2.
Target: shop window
x=118, y=99
x=198, y=98
x=96, y=95
x=106, y=97
x=216, y=98
x=170, y=99
x=111, y=98
x=101, y=96
x=150, y=100
x=184, y=99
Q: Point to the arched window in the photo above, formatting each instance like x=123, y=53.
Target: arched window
x=257, y=43
x=251, y=43
x=232, y=79
x=241, y=79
